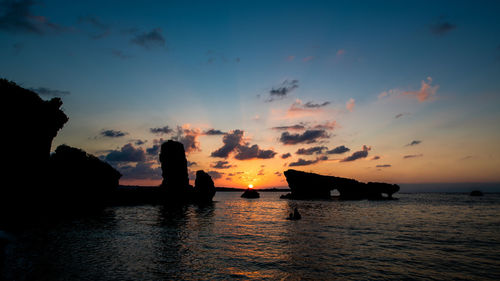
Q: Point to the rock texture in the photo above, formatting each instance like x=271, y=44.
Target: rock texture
x=314, y=186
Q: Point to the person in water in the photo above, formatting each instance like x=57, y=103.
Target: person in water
x=295, y=215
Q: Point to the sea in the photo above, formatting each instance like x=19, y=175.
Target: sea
x=420, y=236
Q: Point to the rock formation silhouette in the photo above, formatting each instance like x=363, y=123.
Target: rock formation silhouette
x=305, y=185
x=174, y=166
x=80, y=179
x=476, y=193
x=204, y=188
x=36, y=183
x=250, y=193
x=175, y=176
x=30, y=124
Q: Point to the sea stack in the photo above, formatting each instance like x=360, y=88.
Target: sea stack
x=204, y=188
x=175, y=176
x=174, y=167
x=250, y=193
x=305, y=185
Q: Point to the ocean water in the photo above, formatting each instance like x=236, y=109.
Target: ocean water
x=418, y=237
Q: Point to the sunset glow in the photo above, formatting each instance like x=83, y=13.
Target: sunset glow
x=336, y=89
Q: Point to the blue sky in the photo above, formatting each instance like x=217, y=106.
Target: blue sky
x=130, y=67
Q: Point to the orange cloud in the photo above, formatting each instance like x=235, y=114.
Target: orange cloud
x=350, y=104
x=309, y=58
x=426, y=91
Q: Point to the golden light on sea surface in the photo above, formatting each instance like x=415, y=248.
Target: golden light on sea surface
x=250, y=186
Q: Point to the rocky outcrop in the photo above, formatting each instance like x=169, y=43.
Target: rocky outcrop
x=314, y=186
x=250, y=193
x=174, y=167
x=204, y=188
x=175, y=176
x=476, y=193
x=30, y=124
x=81, y=180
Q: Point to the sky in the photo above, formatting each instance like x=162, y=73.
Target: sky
x=392, y=91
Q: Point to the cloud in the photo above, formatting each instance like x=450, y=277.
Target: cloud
x=412, y=156
x=349, y=105
x=113, y=133
x=128, y=153
x=215, y=175
x=311, y=150
x=231, y=141
x=426, y=92
x=310, y=104
x=340, y=52
x=296, y=127
x=189, y=163
x=221, y=165
x=43, y=91
x=154, y=150
x=398, y=115
x=441, y=28
x=151, y=39
x=283, y=90
x=261, y=172
x=384, y=166
x=302, y=162
x=290, y=58
x=213, y=132
x=376, y=157
x=298, y=108
x=358, y=154
x=328, y=125
x=338, y=150
x=309, y=136
x=308, y=58
x=161, y=130
x=143, y=170
x=286, y=155
x=17, y=16
x=140, y=142
x=188, y=137
x=415, y=142
x=246, y=152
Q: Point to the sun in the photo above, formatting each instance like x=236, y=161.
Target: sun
x=250, y=186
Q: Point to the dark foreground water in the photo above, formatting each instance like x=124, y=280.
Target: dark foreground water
x=419, y=236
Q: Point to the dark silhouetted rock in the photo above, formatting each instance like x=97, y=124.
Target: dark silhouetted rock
x=313, y=186
x=204, y=188
x=81, y=180
x=175, y=176
x=250, y=193
x=174, y=167
x=30, y=124
x=476, y=193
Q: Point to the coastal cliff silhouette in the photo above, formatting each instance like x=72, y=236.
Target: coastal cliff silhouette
x=305, y=185
x=37, y=183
